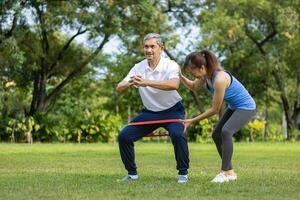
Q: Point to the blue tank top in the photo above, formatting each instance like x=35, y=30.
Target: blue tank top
x=235, y=95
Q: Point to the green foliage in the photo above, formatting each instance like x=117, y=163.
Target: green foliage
x=256, y=43
x=206, y=131
x=69, y=88
x=110, y=127
x=275, y=133
x=201, y=131
x=18, y=129
x=254, y=132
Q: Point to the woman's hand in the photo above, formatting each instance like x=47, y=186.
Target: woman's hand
x=187, y=123
x=180, y=72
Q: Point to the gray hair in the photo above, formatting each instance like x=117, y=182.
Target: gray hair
x=156, y=36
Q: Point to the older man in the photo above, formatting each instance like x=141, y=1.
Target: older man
x=157, y=79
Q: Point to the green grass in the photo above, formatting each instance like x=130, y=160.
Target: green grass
x=89, y=171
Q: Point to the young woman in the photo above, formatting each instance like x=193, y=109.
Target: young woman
x=204, y=66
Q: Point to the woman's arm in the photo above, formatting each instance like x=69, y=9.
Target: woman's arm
x=220, y=85
x=192, y=85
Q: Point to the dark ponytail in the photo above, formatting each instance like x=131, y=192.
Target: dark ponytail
x=204, y=57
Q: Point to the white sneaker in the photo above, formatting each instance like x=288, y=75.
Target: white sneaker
x=182, y=179
x=128, y=178
x=232, y=177
x=220, y=178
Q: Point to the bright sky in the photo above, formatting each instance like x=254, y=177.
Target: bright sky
x=184, y=47
x=113, y=46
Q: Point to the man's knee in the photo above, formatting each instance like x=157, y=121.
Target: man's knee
x=123, y=137
x=176, y=134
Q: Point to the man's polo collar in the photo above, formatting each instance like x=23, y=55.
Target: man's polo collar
x=159, y=66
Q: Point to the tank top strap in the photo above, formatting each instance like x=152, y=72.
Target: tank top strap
x=212, y=79
x=231, y=77
x=213, y=76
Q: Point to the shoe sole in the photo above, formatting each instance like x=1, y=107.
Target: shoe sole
x=219, y=181
x=182, y=181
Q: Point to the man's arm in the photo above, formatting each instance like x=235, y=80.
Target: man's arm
x=127, y=81
x=123, y=85
x=172, y=84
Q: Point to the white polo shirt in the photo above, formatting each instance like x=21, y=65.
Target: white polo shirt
x=156, y=99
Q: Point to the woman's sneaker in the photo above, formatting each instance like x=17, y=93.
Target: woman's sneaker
x=220, y=178
x=232, y=177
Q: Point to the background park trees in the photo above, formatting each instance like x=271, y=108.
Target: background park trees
x=58, y=81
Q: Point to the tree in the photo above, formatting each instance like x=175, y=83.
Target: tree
x=50, y=55
x=256, y=40
x=39, y=53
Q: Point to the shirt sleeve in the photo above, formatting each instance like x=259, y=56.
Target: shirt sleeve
x=174, y=70
x=131, y=73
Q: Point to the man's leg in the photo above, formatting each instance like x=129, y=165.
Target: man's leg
x=126, y=139
x=176, y=132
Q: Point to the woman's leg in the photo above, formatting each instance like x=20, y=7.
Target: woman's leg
x=238, y=119
x=216, y=135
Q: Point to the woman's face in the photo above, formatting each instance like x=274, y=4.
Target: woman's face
x=197, y=72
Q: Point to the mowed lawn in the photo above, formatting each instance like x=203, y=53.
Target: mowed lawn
x=90, y=171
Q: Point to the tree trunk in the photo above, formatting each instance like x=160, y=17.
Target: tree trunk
x=285, y=104
x=288, y=118
x=284, y=127
x=117, y=104
x=29, y=137
x=79, y=137
x=295, y=116
x=265, y=131
x=267, y=105
x=129, y=113
x=199, y=104
x=296, y=107
x=252, y=136
x=38, y=94
x=13, y=134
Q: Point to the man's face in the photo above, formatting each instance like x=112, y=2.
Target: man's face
x=152, y=50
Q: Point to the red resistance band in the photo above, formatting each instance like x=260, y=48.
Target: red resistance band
x=156, y=122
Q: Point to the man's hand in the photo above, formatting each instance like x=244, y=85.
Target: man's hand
x=131, y=83
x=138, y=81
x=123, y=85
